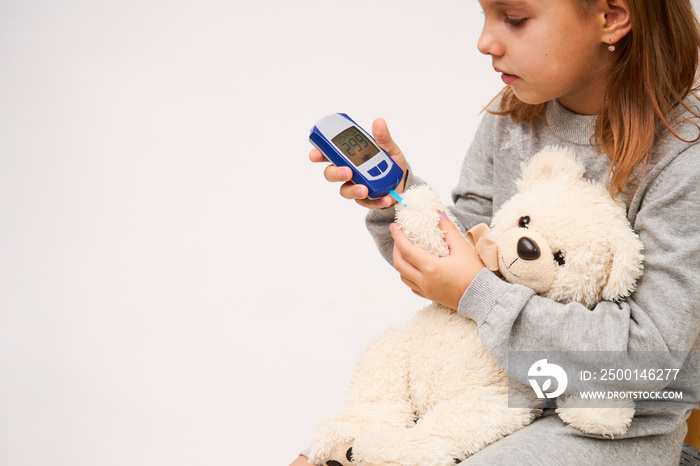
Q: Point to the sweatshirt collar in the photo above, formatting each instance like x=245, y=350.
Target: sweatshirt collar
x=570, y=126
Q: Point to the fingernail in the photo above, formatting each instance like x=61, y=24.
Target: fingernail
x=443, y=215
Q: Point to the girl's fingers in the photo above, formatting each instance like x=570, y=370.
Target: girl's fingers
x=350, y=190
x=385, y=201
x=317, y=156
x=412, y=286
x=359, y=193
x=331, y=172
x=337, y=174
x=453, y=237
x=408, y=252
x=455, y=240
x=381, y=134
x=403, y=252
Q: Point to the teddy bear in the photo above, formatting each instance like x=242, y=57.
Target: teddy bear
x=429, y=393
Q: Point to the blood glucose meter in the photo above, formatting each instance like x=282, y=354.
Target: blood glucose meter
x=346, y=144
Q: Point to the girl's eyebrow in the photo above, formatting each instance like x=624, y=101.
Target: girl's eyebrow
x=510, y=3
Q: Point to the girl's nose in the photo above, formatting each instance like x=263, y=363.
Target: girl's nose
x=488, y=43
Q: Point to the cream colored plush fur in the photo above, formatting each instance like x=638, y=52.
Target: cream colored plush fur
x=602, y=256
x=572, y=215
x=429, y=393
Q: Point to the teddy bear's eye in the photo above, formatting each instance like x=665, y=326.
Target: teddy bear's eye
x=559, y=258
x=524, y=221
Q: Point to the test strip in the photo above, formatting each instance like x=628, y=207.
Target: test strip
x=396, y=196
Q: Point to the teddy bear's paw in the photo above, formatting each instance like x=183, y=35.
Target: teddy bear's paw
x=420, y=220
x=606, y=417
x=340, y=455
x=379, y=463
x=406, y=447
x=331, y=442
x=334, y=436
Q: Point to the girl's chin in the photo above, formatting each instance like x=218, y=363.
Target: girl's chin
x=529, y=98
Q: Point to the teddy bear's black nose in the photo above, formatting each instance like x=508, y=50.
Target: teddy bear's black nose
x=528, y=249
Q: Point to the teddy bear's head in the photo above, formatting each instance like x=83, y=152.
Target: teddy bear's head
x=565, y=237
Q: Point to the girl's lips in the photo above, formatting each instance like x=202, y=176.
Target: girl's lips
x=508, y=78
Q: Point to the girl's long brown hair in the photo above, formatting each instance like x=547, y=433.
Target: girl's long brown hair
x=655, y=71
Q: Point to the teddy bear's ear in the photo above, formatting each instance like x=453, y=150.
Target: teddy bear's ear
x=551, y=162
x=626, y=265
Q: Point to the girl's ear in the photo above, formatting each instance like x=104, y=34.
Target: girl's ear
x=618, y=20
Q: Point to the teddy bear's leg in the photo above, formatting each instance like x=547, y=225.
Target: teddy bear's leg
x=608, y=417
x=451, y=431
x=404, y=446
x=377, y=396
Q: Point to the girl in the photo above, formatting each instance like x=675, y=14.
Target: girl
x=613, y=80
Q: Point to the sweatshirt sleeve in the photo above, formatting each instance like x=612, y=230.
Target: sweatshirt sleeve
x=473, y=195
x=663, y=314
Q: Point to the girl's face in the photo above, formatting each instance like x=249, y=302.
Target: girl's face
x=548, y=49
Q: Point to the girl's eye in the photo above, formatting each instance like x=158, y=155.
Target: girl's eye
x=559, y=258
x=514, y=21
x=524, y=221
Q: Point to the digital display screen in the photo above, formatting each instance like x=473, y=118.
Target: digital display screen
x=355, y=145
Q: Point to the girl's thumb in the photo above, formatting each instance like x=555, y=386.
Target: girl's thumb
x=450, y=230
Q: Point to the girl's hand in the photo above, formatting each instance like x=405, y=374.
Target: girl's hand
x=440, y=279
x=358, y=192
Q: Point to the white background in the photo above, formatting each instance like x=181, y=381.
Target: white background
x=178, y=284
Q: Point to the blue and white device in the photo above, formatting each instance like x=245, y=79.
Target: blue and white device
x=346, y=144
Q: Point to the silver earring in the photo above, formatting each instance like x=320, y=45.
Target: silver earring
x=611, y=47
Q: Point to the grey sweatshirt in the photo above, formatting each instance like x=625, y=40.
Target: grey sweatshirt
x=662, y=316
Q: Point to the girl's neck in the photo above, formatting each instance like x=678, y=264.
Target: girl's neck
x=590, y=108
